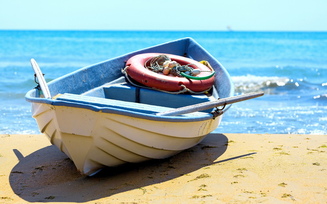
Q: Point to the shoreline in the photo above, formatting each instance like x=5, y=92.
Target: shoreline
x=224, y=168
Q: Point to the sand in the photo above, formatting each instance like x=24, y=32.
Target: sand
x=224, y=168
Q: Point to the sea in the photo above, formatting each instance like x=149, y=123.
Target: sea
x=290, y=67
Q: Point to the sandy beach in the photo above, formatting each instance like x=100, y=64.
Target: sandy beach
x=224, y=168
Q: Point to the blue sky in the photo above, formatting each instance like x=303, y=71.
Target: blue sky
x=242, y=15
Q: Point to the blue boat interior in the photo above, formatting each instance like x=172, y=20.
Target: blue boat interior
x=102, y=86
x=122, y=95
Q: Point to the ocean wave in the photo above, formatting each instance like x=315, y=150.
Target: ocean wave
x=280, y=86
x=250, y=83
x=320, y=97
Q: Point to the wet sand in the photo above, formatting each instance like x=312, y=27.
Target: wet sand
x=224, y=168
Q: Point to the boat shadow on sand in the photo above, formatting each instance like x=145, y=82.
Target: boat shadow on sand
x=47, y=175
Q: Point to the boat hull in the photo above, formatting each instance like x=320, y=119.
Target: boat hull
x=95, y=139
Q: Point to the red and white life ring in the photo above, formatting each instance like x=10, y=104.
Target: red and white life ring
x=137, y=71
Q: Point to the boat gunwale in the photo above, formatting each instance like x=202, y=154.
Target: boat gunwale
x=121, y=111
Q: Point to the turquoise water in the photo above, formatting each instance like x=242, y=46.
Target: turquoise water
x=290, y=67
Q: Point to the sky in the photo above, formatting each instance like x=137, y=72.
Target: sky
x=208, y=15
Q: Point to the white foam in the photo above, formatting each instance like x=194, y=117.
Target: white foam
x=251, y=83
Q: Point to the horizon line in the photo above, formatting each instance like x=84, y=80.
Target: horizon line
x=149, y=30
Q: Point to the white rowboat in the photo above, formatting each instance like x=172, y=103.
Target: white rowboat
x=98, y=119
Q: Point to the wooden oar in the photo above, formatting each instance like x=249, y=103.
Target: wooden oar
x=210, y=104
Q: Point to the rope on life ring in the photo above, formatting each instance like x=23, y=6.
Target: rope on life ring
x=204, y=77
x=171, y=73
x=184, y=90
